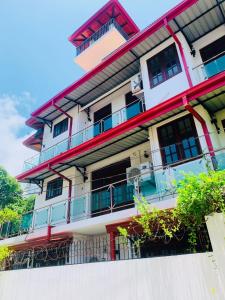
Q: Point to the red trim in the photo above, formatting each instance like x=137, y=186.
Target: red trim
x=112, y=241
x=134, y=41
x=42, y=240
x=174, y=36
x=203, y=123
x=103, y=13
x=49, y=232
x=113, y=227
x=69, y=190
x=160, y=109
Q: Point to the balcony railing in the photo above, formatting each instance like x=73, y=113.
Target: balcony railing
x=98, y=34
x=156, y=183
x=98, y=249
x=211, y=67
x=87, y=133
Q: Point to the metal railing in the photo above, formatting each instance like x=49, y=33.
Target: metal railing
x=94, y=249
x=155, y=183
x=98, y=34
x=87, y=133
x=211, y=67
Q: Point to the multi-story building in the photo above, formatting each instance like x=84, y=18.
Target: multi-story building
x=150, y=106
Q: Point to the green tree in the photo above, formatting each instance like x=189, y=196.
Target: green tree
x=198, y=196
x=11, y=194
x=10, y=190
x=6, y=215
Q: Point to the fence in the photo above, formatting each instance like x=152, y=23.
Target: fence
x=98, y=249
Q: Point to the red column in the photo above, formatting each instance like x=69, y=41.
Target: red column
x=112, y=241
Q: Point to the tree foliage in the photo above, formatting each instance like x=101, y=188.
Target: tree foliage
x=10, y=190
x=198, y=196
x=6, y=215
x=12, y=204
x=11, y=194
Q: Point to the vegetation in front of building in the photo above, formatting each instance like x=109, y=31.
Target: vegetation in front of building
x=12, y=204
x=198, y=196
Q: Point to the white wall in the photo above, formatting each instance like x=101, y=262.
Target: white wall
x=178, y=83
x=168, y=88
x=184, y=277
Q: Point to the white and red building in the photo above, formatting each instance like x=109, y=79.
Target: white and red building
x=150, y=106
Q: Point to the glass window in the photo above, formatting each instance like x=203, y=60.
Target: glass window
x=54, y=188
x=178, y=140
x=60, y=127
x=163, y=66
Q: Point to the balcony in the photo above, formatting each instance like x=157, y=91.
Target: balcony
x=87, y=133
x=156, y=184
x=100, y=44
x=98, y=34
x=211, y=67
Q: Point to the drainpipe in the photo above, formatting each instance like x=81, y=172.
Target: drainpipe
x=187, y=106
x=208, y=140
x=71, y=121
x=69, y=191
x=177, y=41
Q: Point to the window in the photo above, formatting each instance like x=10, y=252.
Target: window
x=178, y=140
x=54, y=188
x=60, y=127
x=103, y=119
x=163, y=66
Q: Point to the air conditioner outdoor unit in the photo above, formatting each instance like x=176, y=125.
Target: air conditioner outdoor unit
x=140, y=173
x=136, y=84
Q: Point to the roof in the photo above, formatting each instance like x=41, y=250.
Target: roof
x=194, y=18
x=35, y=140
x=111, y=10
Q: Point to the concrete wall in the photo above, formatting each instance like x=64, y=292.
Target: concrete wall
x=185, y=277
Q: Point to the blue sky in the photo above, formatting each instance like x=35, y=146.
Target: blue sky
x=36, y=58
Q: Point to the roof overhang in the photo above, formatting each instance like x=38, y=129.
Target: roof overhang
x=194, y=18
x=131, y=132
x=34, y=141
x=124, y=62
x=111, y=10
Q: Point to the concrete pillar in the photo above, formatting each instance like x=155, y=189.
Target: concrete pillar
x=216, y=228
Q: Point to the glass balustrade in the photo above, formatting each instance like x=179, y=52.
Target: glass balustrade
x=215, y=66
x=79, y=209
x=153, y=184
x=211, y=68
x=220, y=160
x=26, y=222
x=87, y=133
x=41, y=218
x=58, y=213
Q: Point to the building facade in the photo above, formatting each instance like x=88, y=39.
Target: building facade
x=150, y=106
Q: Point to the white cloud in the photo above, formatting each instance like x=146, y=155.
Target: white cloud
x=12, y=124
